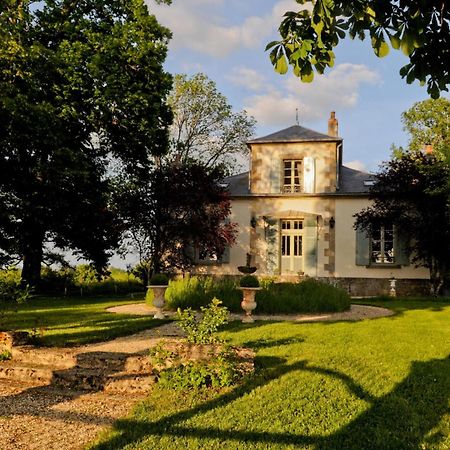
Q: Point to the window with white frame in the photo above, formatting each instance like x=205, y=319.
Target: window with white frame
x=382, y=244
x=292, y=175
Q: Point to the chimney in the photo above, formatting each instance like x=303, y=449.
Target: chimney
x=428, y=149
x=333, y=125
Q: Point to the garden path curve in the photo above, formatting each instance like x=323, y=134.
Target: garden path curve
x=356, y=312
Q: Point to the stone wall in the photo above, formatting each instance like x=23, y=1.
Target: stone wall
x=367, y=287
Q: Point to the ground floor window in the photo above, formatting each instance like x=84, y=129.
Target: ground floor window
x=382, y=244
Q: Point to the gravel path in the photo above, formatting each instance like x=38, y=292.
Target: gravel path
x=43, y=416
x=356, y=312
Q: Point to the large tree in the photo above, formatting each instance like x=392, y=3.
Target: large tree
x=205, y=128
x=420, y=29
x=428, y=122
x=81, y=83
x=179, y=208
x=412, y=191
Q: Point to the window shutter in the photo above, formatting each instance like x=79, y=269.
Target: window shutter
x=309, y=175
x=272, y=239
x=275, y=175
x=189, y=251
x=225, y=257
x=362, y=248
x=401, y=248
x=310, y=245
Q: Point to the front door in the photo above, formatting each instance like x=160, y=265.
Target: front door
x=291, y=246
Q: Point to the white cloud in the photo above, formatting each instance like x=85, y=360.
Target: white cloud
x=336, y=90
x=357, y=165
x=198, y=25
x=247, y=77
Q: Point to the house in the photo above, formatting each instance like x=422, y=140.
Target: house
x=294, y=212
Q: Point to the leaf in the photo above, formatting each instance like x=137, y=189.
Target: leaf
x=308, y=77
x=382, y=50
x=282, y=65
x=270, y=45
x=395, y=41
x=407, y=44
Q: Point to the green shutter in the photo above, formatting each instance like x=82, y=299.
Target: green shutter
x=275, y=175
x=310, y=246
x=225, y=257
x=401, y=248
x=189, y=251
x=362, y=248
x=272, y=239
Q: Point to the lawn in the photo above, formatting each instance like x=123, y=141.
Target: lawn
x=376, y=384
x=77, y=320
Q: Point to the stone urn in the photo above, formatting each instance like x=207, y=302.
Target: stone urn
x=159, y=291
x=248, y=303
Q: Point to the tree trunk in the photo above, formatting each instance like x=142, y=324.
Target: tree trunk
x=436, y=277
x=32, y=257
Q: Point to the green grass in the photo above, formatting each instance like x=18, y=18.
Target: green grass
x=376, y=384
x=76, y=321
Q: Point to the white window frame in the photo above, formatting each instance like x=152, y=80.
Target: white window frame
x=295, y=165
x=383, y=242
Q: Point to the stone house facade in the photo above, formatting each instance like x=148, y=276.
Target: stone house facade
x=294, y=212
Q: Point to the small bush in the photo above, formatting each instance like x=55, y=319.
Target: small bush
x=217, y=373
x=11, y=294
x=249, y=281
x=5, y=355
x=159, y=279
x=195, y=292
x=201, y=329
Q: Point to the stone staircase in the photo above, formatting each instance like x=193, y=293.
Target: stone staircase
x=72, y=369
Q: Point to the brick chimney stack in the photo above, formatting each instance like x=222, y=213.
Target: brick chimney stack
x=333, y=125
x=428, y=149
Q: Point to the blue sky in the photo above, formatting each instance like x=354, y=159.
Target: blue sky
x=225, y=39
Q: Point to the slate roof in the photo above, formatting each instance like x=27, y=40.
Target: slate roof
x=352, y=182
x=296, y=133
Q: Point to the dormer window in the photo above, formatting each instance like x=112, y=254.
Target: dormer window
x=293, y=175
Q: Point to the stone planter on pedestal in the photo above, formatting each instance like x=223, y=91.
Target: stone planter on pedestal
x=158, y=299
x=248, y=302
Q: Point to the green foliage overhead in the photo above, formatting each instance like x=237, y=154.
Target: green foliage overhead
x=420, y=29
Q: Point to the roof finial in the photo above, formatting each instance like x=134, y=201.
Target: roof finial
x=296, y=116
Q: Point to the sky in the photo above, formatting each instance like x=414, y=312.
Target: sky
x=225, y=39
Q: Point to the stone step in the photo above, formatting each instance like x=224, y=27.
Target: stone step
x=63, y=360
x=43, y=357
x=22, y=372
x=95, y=380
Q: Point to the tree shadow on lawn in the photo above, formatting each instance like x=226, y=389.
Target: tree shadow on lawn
x=401, y=419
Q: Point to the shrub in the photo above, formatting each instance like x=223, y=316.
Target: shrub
x=249, y=281
x=308, y=296
x=11, y=293
x=159, y=279
x=5, y=355
x=195, y=292
x=216, y=373
x=201, y=329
